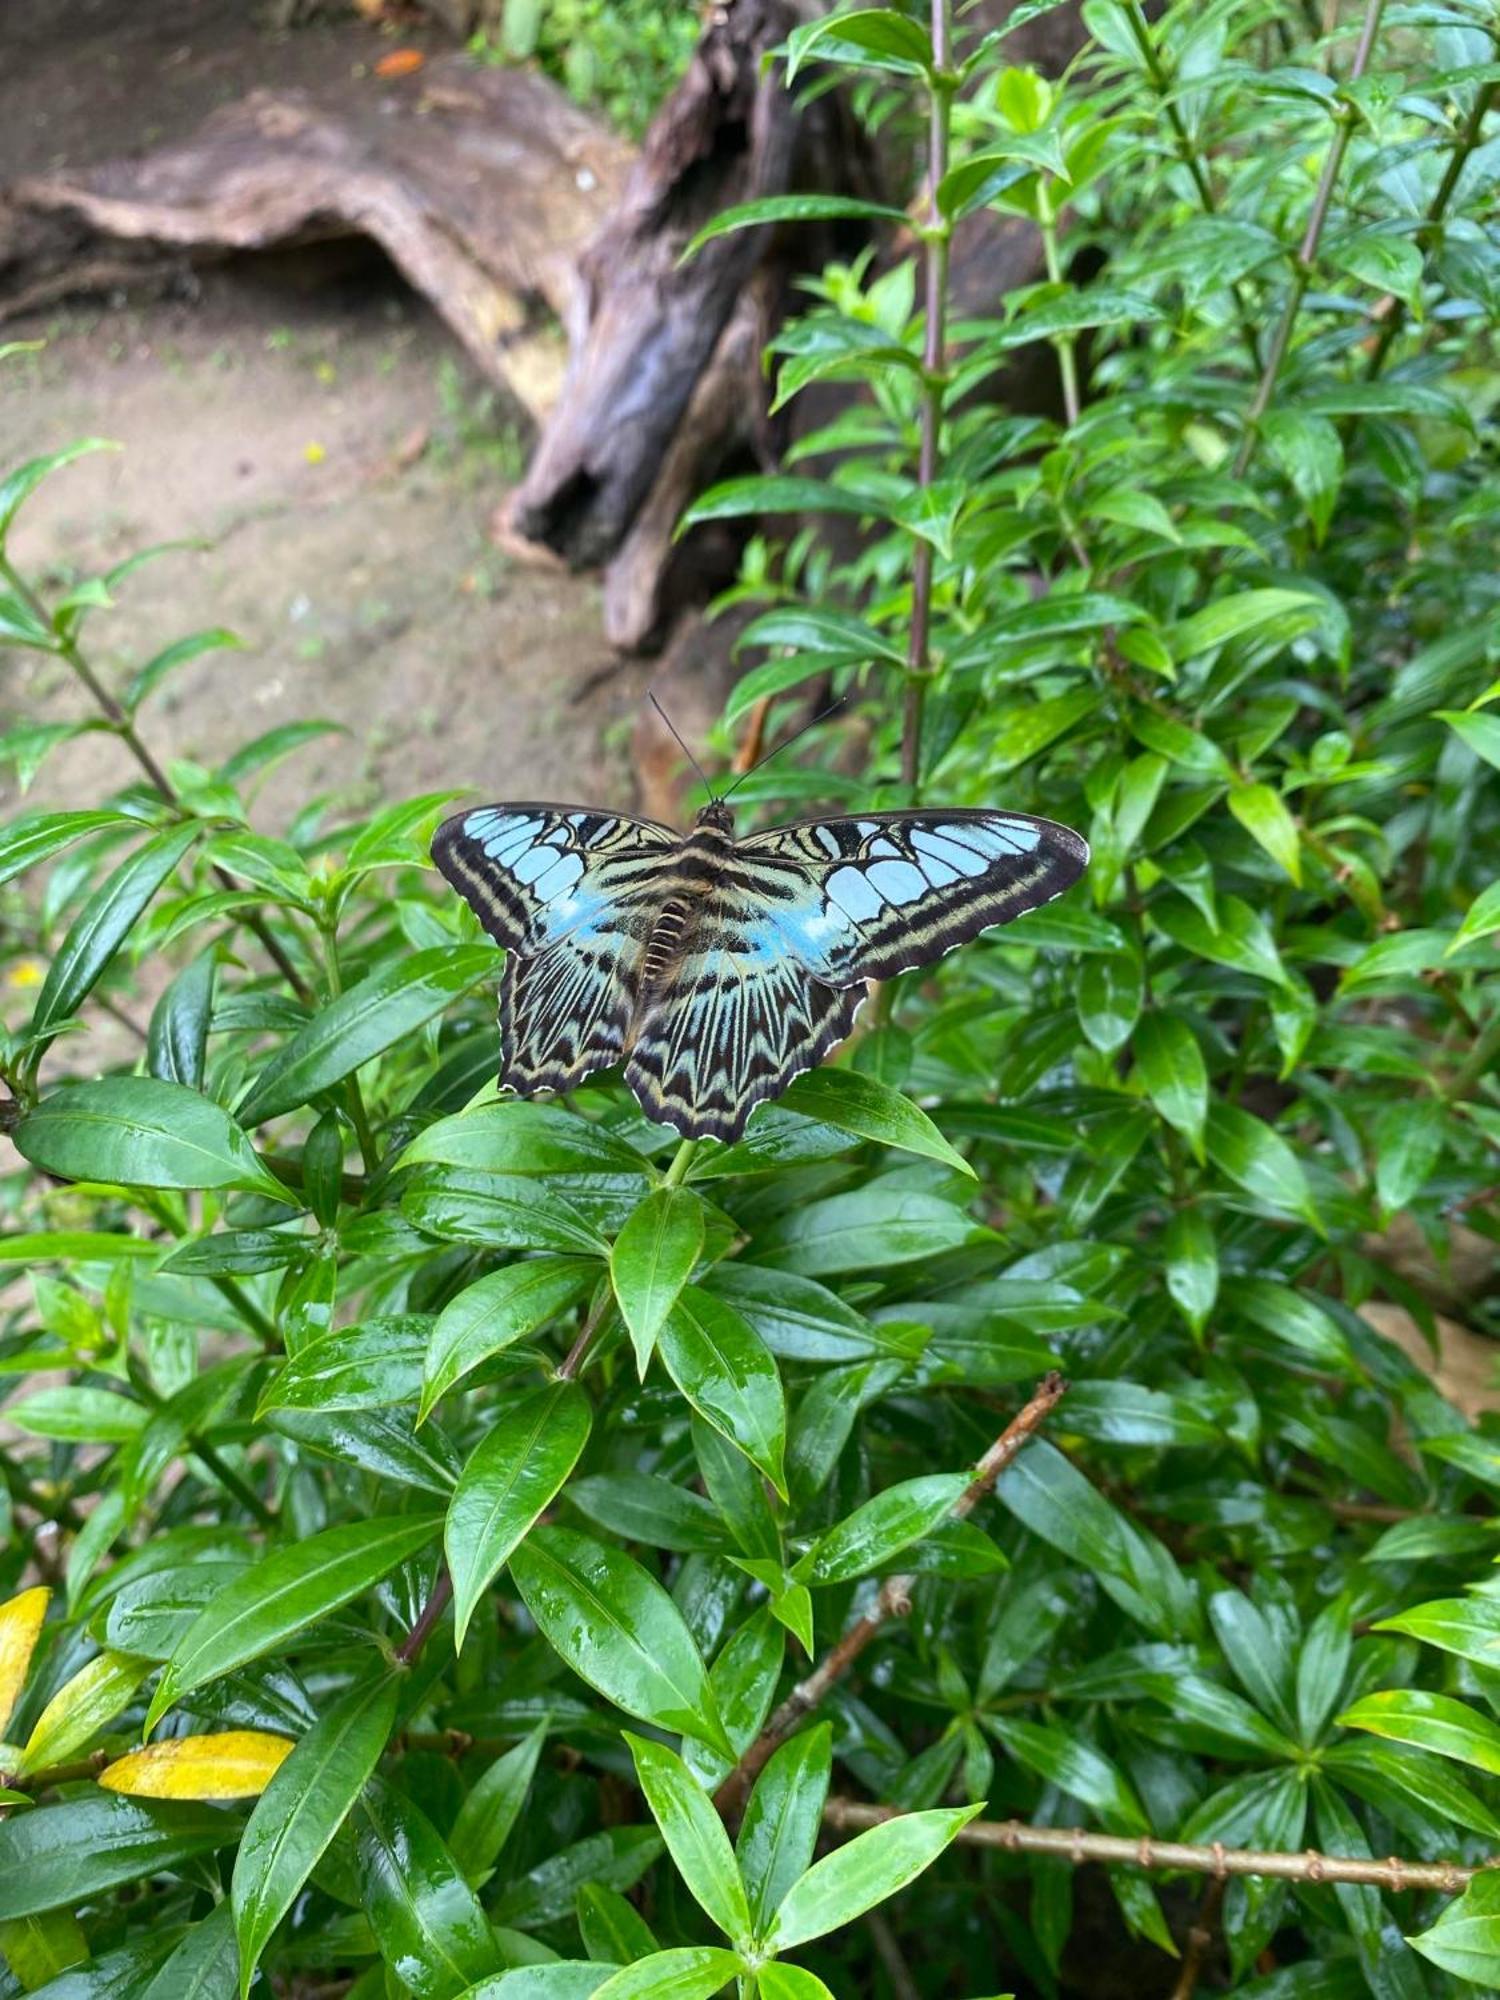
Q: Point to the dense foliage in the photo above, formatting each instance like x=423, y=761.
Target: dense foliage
x=327, y=1329
x=621, y=56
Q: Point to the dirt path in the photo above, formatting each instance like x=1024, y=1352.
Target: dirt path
x=322, y=434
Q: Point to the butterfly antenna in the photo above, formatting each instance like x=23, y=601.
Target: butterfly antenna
x=702, y=774
x=795, y=737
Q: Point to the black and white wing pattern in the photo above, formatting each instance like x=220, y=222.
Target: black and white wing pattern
x=733, y=1029
x=866, y=898
x=571, y=894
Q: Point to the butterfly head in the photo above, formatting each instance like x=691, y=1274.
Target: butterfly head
x=717, y=815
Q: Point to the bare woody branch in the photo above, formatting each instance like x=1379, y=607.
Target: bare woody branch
x=1015, y=1837
x=894, y=1601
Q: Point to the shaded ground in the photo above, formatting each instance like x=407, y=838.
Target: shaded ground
x=322, y=432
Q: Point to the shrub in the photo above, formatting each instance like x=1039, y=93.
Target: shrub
x=415, y=1442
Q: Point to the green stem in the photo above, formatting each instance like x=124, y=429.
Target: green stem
x=592, y=1327
x=1457, y=160
x=1161, y=83
x=353, y=1095
x=934, y=357
x=259, y=1323
x=122, y=726
x=1063, y=343
x=682, y=1159
x=1482, y=1059
x=227, y=1477
x=1307, y=255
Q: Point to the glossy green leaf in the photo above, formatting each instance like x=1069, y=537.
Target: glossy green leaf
x=618, y=1630
x=1430, y=1722
x=26, y=842
x=784, y=1819
x=853, y=1102
x=727, y=1373
x=492, y=1807
x=139, y=1132
x=282, y=1594
x=865, y=1871
x=514, y=1471
x=495, y=1313
x=694, y=1834
x=881, y=1528
x=104, y=923
x=72, y=1852
x=653, y=1257
x=692, y=1972
x=1170, y=1066
x=431, y=1929
x=380, y=1011
x=303, y=1807
x=368, y=1366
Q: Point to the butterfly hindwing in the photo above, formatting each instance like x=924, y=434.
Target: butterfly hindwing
x=571, y=894
x=869, y=897
x=731, y=1033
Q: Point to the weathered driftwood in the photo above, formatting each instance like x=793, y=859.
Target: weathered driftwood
x=729, y=133
x=481, y=185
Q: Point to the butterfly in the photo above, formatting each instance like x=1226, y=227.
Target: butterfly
x=718, y=968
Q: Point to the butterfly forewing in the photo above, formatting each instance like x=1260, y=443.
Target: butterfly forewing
x=572, y=895
x=869, y=897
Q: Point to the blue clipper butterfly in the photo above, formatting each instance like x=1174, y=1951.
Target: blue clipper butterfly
x=717, y=969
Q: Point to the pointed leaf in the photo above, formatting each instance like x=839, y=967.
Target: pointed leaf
x=653, y=1257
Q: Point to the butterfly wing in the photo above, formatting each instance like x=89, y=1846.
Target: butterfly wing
x=571, y=894
x=738, y=1023
x=866, y=898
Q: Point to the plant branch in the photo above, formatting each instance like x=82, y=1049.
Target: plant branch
x=1468, y=139
x=438, y=1600
x=1183, y=146
x=1312, y=236
x=1199, y=1940
x=124, y=727
x=893, y=1601
x=1448, y=1878
x=934, y=390
x=574, y=1359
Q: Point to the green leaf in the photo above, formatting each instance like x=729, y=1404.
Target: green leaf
x=781, y=494
x=1467, y=1626
x=618, y=1630
x=492, y=1807
x=495, y=1313
x=1111, y=991
x=1261, y=812
x=135, y=1131
x=613, y=1930
x=865, y=1871
x=881, y=1528
x=428, y=1922
x=1270, y=614
x=496, y=1211
x=76, y=1851
x=653, y=1257
x=1478, y=730
x=1481, y=920
x=693, y=1972
x=364, y=1367
x=1465, y=1940
x=728, y=1374
x=792, y=208
x=695, y=1836
x=27, y=842
x=83, y=1706
x=515, y=1470
x=384, y=1009
x=784, y=1819
x=1074, y=1766
x=79, y=1415
x=303, y=1807
x=1170, y=1066
x=869, y=1229
x=864, y=38
x=1248, y=1152
x=177, y=1041
x=203, y=1966
x=151, y=676
x=513, y=1136
x=811, y=628
x=561, y=1979
x=286, y=1591
x=18, y=486
x=851, y=1101
x=104, y=923
x=1429, y=1722
x=615, y=1859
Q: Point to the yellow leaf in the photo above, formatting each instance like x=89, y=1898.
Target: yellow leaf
x=236, y=1764
x=20, y=1623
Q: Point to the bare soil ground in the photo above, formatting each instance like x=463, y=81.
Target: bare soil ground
x=318, y=429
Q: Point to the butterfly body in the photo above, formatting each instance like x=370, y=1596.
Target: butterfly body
x=717, y=968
